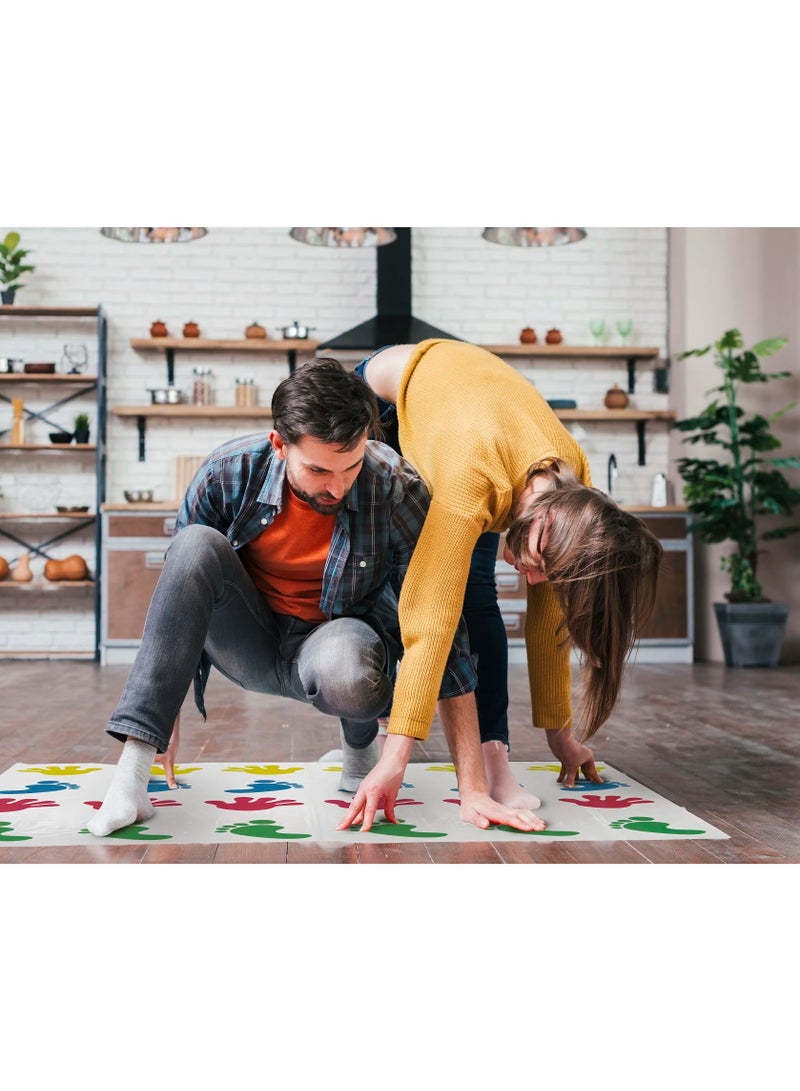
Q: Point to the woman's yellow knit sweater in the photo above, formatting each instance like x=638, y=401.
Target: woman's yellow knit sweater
x=472, y=426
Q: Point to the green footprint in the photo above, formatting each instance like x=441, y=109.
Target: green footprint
x=648, y=825
x=399, y=829
x=135, y=833
x=261, y=827
x=7, y=835
x=536, y=833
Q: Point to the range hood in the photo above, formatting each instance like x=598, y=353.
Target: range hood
x=394, y=324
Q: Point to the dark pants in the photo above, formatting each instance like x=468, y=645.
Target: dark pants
x=487, y=633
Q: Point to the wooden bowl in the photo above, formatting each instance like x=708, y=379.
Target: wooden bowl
x=39, y=369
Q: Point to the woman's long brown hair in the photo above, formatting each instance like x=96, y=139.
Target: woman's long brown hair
x=602, y=563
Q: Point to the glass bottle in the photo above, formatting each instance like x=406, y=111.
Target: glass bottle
x=245, y=391
x=201, y=387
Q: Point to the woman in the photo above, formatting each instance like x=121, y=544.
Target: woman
x=495, y=457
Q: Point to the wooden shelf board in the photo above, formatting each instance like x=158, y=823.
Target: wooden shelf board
x=624, y=352
x=205, y=344
x=257, y=411
x=48, y=447
x=615, y=414
x=43, y=585
x=22, y=377
x=51, y=517
x=13, y=310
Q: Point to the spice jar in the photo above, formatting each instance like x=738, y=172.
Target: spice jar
x=245, y=391
x=201, y=387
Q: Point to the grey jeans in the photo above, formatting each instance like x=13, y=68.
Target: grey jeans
x=205, y=599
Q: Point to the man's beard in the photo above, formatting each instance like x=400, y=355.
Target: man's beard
x=313, y=501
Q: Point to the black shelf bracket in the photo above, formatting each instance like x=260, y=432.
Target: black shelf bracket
x=631, y=374
x=141, y=425
x=292, y=354
x=170, y=367
x=640, y=432
x=41, y=548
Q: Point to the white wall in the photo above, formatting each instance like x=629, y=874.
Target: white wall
x=745, y=278
x=471, y=288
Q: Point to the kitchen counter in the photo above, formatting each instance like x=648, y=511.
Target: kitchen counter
x=153, y=506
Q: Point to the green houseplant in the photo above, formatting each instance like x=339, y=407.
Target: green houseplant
x=727, y=498
x=12, y=266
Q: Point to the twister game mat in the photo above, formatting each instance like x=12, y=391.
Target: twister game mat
x=43, y=804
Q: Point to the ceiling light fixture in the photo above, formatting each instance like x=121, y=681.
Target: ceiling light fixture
x=154, y=234
x=344, y=236
x=534, y=236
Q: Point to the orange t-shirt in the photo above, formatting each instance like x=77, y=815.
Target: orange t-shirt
x=287, y=559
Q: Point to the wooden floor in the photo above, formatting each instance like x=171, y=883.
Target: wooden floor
x=723, y=743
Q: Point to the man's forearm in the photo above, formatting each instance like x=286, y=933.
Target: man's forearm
x=459, y=720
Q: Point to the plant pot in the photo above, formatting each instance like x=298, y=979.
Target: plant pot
x=81, y=435
x=752, y=632
x=8, y=297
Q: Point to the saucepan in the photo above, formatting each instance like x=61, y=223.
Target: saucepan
x=296, y=332
x=165, y=395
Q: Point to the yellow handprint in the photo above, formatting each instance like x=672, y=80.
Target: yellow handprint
x=62, y=770
x=267, y=770
x=180, y=770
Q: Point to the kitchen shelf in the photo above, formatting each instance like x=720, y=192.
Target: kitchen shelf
x=262, y=346
x=631, y=353
x=70, y=523
x=639, y=417
x=217, y=412
x=59, y=447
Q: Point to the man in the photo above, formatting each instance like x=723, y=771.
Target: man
x=280, y=574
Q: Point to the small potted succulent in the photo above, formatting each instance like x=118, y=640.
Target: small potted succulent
x=12, y=266
x=81, y=423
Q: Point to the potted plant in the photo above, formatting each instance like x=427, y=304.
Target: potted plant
x=727, y=499
x=11, y=266
x=81, y=423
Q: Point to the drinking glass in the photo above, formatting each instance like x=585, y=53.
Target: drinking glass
x=624, y=329
x=75, y=359
x=598, y=328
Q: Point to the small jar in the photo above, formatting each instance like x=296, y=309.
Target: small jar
x=245, y=391
x=201, y=387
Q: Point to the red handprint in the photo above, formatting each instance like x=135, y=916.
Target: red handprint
x=253, y=803
x=607, y=802
x=345, y=803
x=24, y=804
x=96, y=804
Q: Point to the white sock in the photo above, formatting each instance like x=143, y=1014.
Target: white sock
x=126, y=800
x=356, y=764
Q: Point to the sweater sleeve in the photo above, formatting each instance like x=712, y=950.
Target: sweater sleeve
x=431, y=602
x=549, y=671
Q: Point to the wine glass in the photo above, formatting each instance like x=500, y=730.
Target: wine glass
x=624, y=329
x=598, y=328
x=75, y=359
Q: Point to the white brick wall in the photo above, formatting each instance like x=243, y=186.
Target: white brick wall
x=234, y=276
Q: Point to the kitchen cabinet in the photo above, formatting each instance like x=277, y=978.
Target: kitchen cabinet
x=170, y=345
x=38, y=532
x=668, y=636
x=135, y=540
x=600, y=354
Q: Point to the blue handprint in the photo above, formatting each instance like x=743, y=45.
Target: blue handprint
x=39, y=786
x=265, y=786
x=582, y=785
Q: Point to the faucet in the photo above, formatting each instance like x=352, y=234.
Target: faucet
x=613, y=473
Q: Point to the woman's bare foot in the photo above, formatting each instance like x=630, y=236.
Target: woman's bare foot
x=502, y=786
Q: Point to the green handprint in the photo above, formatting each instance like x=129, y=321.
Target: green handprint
x=648, y=825
x=261, y=827
x=135, y=833
x=537, y=833
x=399, y=829
x=7, y=835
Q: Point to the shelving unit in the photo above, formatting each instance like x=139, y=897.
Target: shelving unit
x=70, y=522
x=601, y=354
x=170, y=345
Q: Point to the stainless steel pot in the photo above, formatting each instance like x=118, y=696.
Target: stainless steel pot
x=7, y=364
x=296, y=332
x=165, y=395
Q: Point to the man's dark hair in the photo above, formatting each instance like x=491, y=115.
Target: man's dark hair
x=324, y=400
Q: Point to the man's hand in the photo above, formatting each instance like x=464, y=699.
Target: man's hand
x=574, y=756
x=168, y=758
x=380, y=787
x=481, y=810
